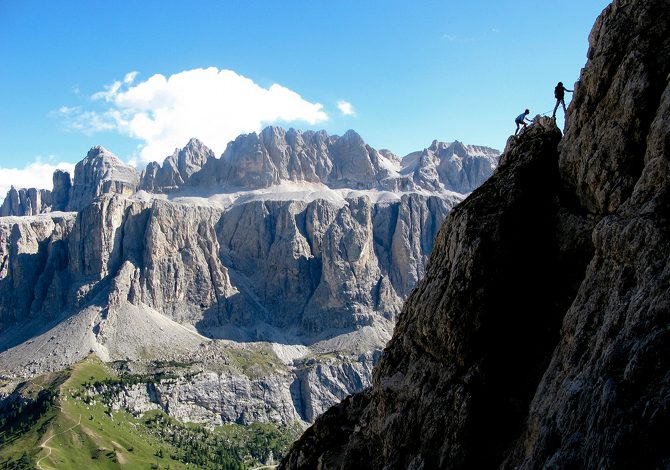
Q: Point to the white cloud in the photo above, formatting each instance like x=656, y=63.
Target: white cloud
x=130, y=77
x=212, y=105
x=346, y=108
x=109, y=93
x=88, y=122
x=34, y=175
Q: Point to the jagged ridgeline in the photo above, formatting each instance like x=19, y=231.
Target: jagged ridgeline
x=540, y=334
x=258, y=287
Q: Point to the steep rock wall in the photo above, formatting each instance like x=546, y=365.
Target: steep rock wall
x=539, y=336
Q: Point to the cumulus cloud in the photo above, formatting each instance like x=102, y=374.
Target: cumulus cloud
x=37, y=174
x=346, y=108
x=212, y=105
x=76, y=118
x=130, y=77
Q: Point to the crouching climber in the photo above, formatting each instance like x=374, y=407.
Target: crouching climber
x=521, y=120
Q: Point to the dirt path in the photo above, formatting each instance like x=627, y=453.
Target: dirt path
x=118, y=448
x=45, y=446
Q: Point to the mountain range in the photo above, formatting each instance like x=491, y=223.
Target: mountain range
x=264, y=282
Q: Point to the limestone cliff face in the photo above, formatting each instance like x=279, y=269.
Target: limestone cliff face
x=33, y=201
x=137, y=278
x=260, y=160
x=454, y=166
x=60, y=195
x=26, y=202
x=539, y=334
x=330, y=266
x=33, y=261
x=101, y=172
x=201, y=252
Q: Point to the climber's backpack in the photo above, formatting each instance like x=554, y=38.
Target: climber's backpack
x=559, y=93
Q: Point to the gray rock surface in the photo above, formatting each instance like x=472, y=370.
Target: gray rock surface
x=33, y=259
x=213, y=390
x=453, y=166
x=539, y=336
x=26, y=202
x=255, y=161
x=100, y=172
x=33, y=201
x=318, y=272
x=176, y=169
x=60, y=195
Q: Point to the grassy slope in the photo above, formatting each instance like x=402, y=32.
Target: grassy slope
x=74, y=435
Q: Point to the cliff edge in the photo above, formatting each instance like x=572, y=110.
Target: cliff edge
x=540, y=336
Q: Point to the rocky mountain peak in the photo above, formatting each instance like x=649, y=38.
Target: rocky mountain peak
x=538, y=337
x=353, y=137
x=255, y=161
x=450, y=166
x=176, y=169
x=100, y=172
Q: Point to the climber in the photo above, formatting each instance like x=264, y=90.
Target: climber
x=559, y=93
x=521, y=120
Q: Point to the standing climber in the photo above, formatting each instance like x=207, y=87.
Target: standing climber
x=559, y=93
x=521, y=120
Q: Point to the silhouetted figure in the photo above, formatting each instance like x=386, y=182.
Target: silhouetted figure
x=521, y=120
x=559, y=93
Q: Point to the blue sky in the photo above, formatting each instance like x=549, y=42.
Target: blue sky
x=404, y=73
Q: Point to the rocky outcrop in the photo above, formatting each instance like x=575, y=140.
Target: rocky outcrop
x=284, y=394
x=603, y=398
x=176, y=169
x=32, y=201
x=432, y=373
x=23, y=201
x=101, y=172
x=60, y=195
x=539, y=335
x=124, y=277
x=33, y=261
x=334, y=267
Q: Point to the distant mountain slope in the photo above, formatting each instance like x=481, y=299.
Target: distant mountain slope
x=304, y=242
x=259, y=161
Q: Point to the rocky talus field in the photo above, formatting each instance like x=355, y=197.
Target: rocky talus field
x=539, y=336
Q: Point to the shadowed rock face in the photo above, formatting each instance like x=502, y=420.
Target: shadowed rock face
x=539, y=336
x=61, y=190
x=304, y=267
